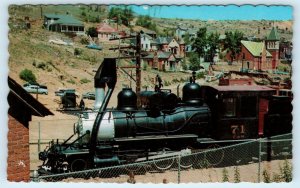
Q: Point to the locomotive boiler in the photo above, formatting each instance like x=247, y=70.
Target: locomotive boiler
x=160, y=123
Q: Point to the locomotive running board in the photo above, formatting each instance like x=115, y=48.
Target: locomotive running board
x=138, y=138
x=183, y=152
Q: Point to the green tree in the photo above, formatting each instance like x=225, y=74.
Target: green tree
x=213, y=43
x=200, y=42
x=121, y=15
x=233, y=43
x=92, y=31
x=194, y=62
x=28, y=76
x=186, y=39
x=146, y=21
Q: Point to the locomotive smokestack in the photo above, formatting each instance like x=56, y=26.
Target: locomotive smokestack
x=106, y=74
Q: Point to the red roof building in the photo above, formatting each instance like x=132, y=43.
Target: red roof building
x=22, y=106
x=105, y=32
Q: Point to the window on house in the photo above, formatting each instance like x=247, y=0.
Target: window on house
x=63, y=28
x=70, y=28
x=81, y=29
x=229, y=105
x=146, y=46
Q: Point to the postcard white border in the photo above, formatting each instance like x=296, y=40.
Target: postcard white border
x=4, y=88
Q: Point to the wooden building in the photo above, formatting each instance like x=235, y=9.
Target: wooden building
x=253, y=56
x=105, y=32
x=22, y=106
x=63, y=23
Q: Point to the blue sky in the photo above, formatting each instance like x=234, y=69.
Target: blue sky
x=230, y=12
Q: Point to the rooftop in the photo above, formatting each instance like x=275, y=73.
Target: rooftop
x=273, y=34
x=255, y=48
x=17, y=93
x=64, y=19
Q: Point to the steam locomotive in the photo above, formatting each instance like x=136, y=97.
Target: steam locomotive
x=165, y=124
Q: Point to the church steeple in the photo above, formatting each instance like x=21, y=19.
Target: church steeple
x=272, y=45
x=273, y=35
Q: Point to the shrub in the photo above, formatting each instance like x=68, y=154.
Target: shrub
x=286, y=172
x=184, y=65
x=200, y=75
x=28, y=76
x=34, y=63
x=166, y=83
x=266, y=175
x=225, y=177
x=71, y=81
x=41, y=66
x=175, y=80
x=145, y=66
x=237, y=176
x=84, y=81
x=77, y=51
x=84, y=40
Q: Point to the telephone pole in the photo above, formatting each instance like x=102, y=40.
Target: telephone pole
x=138, y=64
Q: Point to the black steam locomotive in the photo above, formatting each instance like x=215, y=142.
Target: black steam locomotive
x=165, y=124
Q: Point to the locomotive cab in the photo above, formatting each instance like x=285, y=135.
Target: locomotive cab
x=237, y=111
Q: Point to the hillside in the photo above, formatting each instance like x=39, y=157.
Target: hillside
x=57, y=67
x=249, y=28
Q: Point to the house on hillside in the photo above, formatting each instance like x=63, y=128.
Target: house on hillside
x=254, y=56
x=170, y=44
x=162, y=61
x=144, y=31
x=63, y=23
x=150, y=33
x=285, y=50
x=105, y=32
x=146, y=41
x=181, y=31
x=22, y=106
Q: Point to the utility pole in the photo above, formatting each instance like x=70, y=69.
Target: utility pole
x=138, y=66
x=41, y=11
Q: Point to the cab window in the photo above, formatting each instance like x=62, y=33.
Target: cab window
x=229, y=107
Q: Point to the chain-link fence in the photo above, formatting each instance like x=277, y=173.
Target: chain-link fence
x=262, y=160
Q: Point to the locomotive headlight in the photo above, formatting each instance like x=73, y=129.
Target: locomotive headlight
x=217, y=96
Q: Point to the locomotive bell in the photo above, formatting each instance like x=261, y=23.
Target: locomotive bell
x=191, y=93
x=127, y=100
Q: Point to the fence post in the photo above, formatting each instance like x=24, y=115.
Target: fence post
x=35, y=176
x=179, y=169
x=39, y=140
x=259, y=159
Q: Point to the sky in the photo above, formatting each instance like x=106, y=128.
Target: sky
x=211, y=12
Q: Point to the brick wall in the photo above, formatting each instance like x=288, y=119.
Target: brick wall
x=18, y=166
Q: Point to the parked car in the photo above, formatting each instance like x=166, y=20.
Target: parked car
x=89, y=95
x=94, y=46
x=30, y=84
x=40, y=89
x=61, y=92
